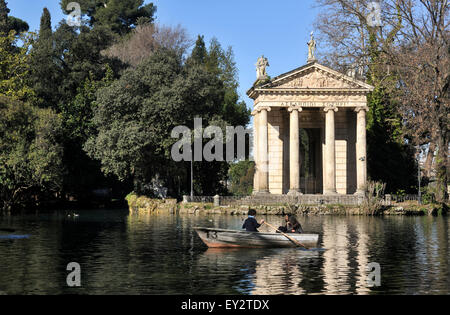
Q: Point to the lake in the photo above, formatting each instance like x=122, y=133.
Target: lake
x=120, y=253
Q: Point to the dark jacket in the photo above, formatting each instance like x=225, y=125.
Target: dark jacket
x=289, y=227
x=251, y=225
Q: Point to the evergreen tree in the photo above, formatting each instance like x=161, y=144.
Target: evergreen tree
x=4, y=21
x=10, y=23
x=199, y=52
x=390, y=159
x=158, y=95
x=120, y=16
x=46, y=74
x=45, y=29
x=241, y=177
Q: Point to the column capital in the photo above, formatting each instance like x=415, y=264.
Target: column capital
x=360, y=108
x=261, y=108
x=292, y=108
x=328, y=108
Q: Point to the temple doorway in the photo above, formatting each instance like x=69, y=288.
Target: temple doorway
x=311, y=161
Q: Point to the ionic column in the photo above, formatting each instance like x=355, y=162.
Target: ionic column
x=329, y=179
x=263, y=153
x=294, y=151
x=361, y=150
x=255, y=151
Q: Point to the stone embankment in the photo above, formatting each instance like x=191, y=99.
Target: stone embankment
x=140, y=204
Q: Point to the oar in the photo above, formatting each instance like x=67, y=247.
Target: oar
x=293, y=240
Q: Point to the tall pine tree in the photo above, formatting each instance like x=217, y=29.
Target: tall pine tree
x=4, y=21
x=120, y=16
x=45, y=75
x=9, y=23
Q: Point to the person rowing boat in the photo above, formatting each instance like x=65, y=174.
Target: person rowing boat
x=291, y=225
x=251, y=225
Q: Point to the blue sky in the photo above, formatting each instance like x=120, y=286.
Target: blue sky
x=277, y=29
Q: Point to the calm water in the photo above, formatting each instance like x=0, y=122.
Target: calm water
x=146, y=254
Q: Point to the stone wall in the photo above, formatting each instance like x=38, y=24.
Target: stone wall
x=350, y=200
x=138, y=204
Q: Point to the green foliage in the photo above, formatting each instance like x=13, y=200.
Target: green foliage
x=429, y=194
x=241, y=176
x=199, y=52
x=4, y=24
x=10, y=23
x=67, y=68
x=136, y=114
x=46, y=73
x=14, y=67
x=30, y=153
x=221, y=64
x=17, y=25
x=120, y=16
x=390, y=160
x=77, y=114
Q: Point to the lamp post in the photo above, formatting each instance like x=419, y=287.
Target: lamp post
x=419, y=178
x=192, y=176
x=420, y=188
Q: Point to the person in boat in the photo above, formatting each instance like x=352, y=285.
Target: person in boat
x=251, y=225
x=292, y=225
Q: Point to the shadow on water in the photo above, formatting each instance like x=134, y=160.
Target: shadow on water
x=121, y=253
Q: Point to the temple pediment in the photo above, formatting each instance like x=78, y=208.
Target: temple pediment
x=312, y=77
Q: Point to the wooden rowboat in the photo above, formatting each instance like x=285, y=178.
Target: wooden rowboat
x=219, y=238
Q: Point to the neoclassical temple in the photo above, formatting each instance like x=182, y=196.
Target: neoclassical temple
x=309, y=131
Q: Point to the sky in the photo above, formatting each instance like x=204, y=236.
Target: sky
x=279, y=30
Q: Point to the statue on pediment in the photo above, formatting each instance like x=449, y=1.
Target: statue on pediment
x=261, y=66
x=312, y=49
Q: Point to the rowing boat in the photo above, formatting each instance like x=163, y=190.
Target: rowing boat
x=219, y=238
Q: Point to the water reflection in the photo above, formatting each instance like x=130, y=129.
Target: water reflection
x=148, y=254
x=264, y=271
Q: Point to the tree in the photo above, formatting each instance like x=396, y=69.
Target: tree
x=46, y=73
x=199, y=53
x=10, y=23
x=421, y=62
x=18, y=25
x=241, y=177
x=145, y=40
x=30, y=154
x=120, y=16
x=136, y=114
x=221, y=64
x=356, y=45
x=14, y=67
x=4, y=23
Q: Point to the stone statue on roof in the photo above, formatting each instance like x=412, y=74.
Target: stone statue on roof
x=312, y=49
x=261, y=66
